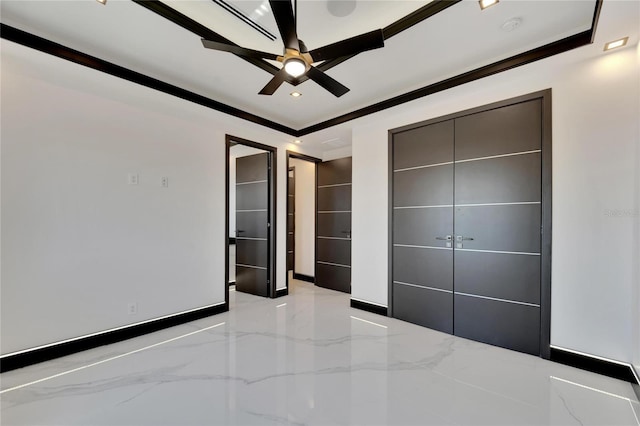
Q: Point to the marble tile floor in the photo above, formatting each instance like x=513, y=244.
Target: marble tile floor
x=308, y=358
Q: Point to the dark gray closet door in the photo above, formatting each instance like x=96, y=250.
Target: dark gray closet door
x=291, y=230
x=497, y=226
x=423, y=226
x=333, y=242
x=252, y=213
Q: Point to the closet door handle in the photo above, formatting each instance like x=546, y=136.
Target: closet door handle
x=445, y=238
x=460, y=239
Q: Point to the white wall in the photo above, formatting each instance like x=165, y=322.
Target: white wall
x=305, y=216
x=595, y=160
x=78, y=243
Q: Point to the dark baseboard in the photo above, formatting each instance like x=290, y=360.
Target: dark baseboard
x=595, y=365
x=636, y=385
x=59, y=350
x=232, y=241
x=232, y=283
x=636, y=389
x=369, y=307
x=282, y=292
x=302, y=277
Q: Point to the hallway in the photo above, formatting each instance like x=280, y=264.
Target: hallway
x=308, y=358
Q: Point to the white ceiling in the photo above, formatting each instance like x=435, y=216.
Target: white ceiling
x=456, y=40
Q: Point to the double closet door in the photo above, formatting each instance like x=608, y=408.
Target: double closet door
x=467, y=226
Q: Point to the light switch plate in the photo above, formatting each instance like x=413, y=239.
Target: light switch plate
x=133, y=179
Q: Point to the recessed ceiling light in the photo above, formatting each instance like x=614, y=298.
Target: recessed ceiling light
x=298, y=141
x=616, y=43
x=487, y=3
x=295, y=94
x=102, y=1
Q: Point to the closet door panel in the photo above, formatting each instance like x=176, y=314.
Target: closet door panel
x=429, y=186
x=423, y=267
x=509, y=325
x=423, y=306
x=499, y=131
x=423, y=226
x=431, y=144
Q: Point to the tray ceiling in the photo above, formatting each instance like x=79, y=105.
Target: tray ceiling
x=458, y=39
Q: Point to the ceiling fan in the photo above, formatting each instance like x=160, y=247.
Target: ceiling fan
x=297, y=59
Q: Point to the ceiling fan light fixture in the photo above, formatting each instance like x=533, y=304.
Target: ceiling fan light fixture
x=295, y=67
x=487, y=3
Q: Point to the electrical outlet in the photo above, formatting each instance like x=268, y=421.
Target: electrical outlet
x=164, y=182
x=133, y=178
x=132, y=308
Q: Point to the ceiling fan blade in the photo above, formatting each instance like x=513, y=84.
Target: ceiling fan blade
x=327, y=82
x=274, y=83
x=240, y=51
x=283, y=12
x=351, y=46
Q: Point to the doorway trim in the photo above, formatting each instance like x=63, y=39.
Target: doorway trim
x=545, y=236
x=271, y=247
x=304, y=157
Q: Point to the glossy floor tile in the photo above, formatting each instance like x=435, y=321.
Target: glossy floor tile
x=308, y=358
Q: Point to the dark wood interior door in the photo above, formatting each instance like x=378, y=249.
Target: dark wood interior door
x=467, y=216
x=498, y=191
x=423, y=226
x=333, y=221
x=252, y=224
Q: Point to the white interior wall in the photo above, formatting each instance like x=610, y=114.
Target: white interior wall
x=305, y=178
x=78, y=243
x=595, y=148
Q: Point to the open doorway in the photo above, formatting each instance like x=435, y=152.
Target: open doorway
x=301, y=217
x=250, y=224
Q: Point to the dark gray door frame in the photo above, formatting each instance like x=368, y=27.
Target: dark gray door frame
x=545, y=268
x=229, y=142
x=290, y=155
